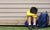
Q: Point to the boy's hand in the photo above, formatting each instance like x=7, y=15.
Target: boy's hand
x=36, y=14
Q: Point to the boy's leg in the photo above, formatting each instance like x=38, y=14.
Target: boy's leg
x=34, y=20
x=29, y=22
x=34, y=23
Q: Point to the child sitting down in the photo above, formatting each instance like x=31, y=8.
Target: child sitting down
x=31, y=16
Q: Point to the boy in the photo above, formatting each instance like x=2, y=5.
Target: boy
x=31, y=16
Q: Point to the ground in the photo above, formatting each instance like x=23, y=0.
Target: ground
x=20, y=28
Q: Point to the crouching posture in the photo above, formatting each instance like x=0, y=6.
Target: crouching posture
x=31, y=16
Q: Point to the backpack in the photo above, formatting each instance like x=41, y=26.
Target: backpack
x=43, y=20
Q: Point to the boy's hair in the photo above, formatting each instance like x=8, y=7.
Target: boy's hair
x=34, y=10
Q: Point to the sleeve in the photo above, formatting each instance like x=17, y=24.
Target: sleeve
x=35, y=15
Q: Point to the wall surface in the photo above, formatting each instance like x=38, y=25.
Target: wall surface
x=13, y=12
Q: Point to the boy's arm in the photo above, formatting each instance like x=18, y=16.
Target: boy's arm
x=29, y=14
x=35, y=15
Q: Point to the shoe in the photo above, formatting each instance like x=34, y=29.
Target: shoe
x=29, y=26
x=34, y=27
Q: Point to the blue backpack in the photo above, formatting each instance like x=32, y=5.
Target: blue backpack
x=42, y=21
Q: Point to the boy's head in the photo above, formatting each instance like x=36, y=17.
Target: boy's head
x=34, y=10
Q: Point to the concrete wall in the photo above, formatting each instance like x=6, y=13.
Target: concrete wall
x=13, y=12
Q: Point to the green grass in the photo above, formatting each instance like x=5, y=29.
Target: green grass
x=20, y=28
